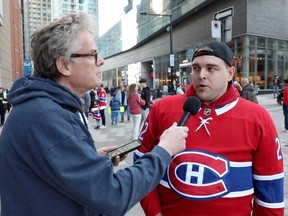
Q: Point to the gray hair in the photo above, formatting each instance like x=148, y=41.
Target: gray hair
x=56, y=40
x=244, y=81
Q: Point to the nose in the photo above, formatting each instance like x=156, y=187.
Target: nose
x=100, y=60
x=202, y=74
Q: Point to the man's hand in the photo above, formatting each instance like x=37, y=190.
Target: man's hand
x=116, y=160
x=173, y=139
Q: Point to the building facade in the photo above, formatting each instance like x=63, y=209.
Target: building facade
x=259, y=40
x=37, y=13
x=11, y=55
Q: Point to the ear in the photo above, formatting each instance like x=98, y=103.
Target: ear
x=231, y=72
x=63, y=67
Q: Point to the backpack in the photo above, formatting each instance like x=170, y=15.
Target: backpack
x=115, y=104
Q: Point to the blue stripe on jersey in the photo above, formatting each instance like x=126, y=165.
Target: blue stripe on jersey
x=238, y=180
x=270, y=191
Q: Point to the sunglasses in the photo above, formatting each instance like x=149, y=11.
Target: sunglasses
x=94, y=54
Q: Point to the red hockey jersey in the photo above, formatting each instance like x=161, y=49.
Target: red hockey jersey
x=102, y=97
x=232, y=164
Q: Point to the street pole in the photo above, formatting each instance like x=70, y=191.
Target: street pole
x=171, y=36
x=171, y=55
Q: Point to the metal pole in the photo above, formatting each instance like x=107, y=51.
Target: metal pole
x=171, y=47
x=171, y=36
x=223, y=33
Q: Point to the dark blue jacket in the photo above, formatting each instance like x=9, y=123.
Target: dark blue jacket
x=49, y=164
x=115, y=104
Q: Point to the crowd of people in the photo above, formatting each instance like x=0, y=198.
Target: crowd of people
x=210, y=166
x=126, y=102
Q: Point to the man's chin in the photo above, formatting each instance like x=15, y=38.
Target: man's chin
x=203, y=96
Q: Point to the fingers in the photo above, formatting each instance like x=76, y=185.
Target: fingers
x=105, y=150
x=116, y=160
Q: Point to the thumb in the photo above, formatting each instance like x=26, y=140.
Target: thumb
x=174, y=124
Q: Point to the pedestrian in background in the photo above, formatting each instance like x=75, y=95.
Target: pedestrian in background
x=145, y=95
x=248, y=91
x=135, y=103
x=118, y=93
x=2, y=107
x=115, y=109
x=285, y=104
x=87, y=103
x=238, y=86
x=82, y=114
x=124, y=102
x=93, y=96
x=48, y=161
x=102, y=97
x=5, y=101
x=179, y=89
x=165, y=90
x=223, y=167
x=95, y=113
x=276, y=83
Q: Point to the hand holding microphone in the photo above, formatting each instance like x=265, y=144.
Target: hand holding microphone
x=173, y=139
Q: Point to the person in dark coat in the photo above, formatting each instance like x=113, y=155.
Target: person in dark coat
x=248, y=91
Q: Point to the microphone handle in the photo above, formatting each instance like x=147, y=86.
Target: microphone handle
x=186, y=115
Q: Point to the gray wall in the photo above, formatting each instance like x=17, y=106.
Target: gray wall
x=268, y=18
x=258, y=17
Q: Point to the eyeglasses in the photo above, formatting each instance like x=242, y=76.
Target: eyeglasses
x=94, y=54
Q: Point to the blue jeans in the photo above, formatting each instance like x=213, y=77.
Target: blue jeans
x=126, y=110
x=285, y=111
x=114, y=117
x=275, y=90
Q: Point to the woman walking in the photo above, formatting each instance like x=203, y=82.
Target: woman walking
x=135, y=102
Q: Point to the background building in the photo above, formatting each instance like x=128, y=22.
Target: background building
x=11, y=55
x=258, y=31
x=135, y=45
x=37, y=13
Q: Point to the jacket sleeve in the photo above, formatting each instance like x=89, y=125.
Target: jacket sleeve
x=72, y=166
x=146, y=98
x=268, y=174
x=141, y=101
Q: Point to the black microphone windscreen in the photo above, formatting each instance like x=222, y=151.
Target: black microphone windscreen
x=192, y=105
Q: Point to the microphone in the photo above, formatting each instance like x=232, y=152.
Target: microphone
x=190, y=107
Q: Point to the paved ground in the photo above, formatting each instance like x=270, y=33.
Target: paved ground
x=120, y=135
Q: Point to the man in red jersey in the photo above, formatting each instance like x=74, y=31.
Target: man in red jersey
x=285, y=104
x=232, y=164
x=102, y=97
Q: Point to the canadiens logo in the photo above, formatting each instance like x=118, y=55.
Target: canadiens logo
x=207, y=111
x=198, y=175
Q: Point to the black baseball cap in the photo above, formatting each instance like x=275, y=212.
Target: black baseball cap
x=215, y=48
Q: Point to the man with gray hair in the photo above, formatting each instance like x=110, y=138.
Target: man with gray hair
x=248, y=91
x=48, y=161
